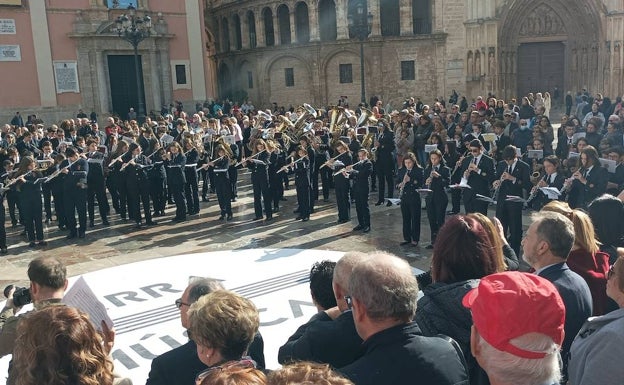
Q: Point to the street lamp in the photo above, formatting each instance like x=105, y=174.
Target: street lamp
x=360, y=26
x=134, y=29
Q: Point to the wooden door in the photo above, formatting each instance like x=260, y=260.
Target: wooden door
x=541, y=67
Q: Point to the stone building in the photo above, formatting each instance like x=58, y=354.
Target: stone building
x=295, y=51
x=57, y=56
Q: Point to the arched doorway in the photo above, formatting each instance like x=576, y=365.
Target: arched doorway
x=545, y=44
x=225, y=81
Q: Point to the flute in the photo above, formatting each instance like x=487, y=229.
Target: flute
x=58, y=172
x=348, y=171
x=118, y=158
x=251, y=157
x=285, y=167
x=331, y=160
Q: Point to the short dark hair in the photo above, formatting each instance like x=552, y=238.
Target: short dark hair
x=475, y=143
x=509, y=152
x=48, y=272
x=321, y=275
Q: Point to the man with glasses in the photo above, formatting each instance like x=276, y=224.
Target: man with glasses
x=181, y=365
x=478, y=173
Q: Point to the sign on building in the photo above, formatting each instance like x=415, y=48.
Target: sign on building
x=66, y=76
x=7, y=26
x=10, y=53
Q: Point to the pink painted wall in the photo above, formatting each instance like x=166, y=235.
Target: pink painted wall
x=176, y=6
x=69, y=4
x=19, y=83
x=60, y=24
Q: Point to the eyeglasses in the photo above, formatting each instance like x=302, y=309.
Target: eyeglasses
x=611, y=272
x=241, y=364
x=179, y=303
x=349, y=301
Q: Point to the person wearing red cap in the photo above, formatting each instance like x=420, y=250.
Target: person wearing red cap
x=518, y=328
x=597, y=351
x=546, y=246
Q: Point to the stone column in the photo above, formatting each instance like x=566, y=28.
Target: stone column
x=293, y=27
x=232, y=31
x=244, y=31
x=260, y=42
x=276, y=29
x=342, y=20
x=314, y=23
x=405, y=9
x=375, y=9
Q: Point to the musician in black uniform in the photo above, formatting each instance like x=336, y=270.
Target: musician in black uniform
x=175, y=161
x=616, y=179
x=11, y=195
x=191, y=187
x=321, y=155
x=258, y=163
x=277, y=159
x=115, y=181
x=157, y=180
x=411, y=179
x=302, y=183
x=304, y=142
x=137, y=185
x=437, y=178
x=233, y=172
x=223, y=188
x=453, y=158
x=360, y=172
x=590, y=181
x=502, y=140
x=28, y=185
x=96, y=184
x=513, y=177
x=46, y=156
x=341, y=183
x=75, y=169
x=552, y=178
x=3, y=241
x=479, y=173
x=385, y=162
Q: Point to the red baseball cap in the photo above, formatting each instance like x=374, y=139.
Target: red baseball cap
x=511, y=304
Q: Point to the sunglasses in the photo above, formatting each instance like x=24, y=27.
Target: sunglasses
x=242, y=364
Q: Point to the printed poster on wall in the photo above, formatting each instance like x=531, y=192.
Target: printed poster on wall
x=10, y=53
x=66, y=76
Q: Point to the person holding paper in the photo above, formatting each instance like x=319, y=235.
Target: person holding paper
x=341, y=183
x=28, y=185
x=616, y=179
x=437, y=177
x=478, y=173
x=513, y=178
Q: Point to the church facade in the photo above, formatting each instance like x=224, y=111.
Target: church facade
x=290, y=51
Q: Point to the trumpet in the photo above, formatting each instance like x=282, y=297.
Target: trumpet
x=251, y=157
x=285, y=167
x=348, y=171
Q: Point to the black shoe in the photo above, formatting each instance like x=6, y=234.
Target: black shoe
x=222, y=217
x=170, y=202
x=325, y=200
x=341, y=221
x=151, y=223
x=451, y=212
x=31, y=244
x=105, y=222
x=162, y=213
x=91, y=224
x=305, y=219
x=81, y=234
x=13, y=224
x=299, y=218
x=42, y=244
x=180, y=220
x=71, y=236
x=62, y=227
x=389, y=204
x=366, y=229
x=205, y=199
x=257, y=218
x=4, y=251
x=379, y=203
x=358, y=227
x=405, y=243
x=47, y=221
x=139, y=225
x=229, y=217
x=311, y=211
x=373, y=189
x=429, y=246
x=276, y=209
x=233, y=199
x=268, y=219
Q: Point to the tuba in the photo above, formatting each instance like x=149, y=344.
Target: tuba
x=366, y=117
x=308, y=111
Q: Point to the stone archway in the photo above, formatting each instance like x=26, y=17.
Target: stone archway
x=535, y=27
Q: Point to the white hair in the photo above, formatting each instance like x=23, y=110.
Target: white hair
x=517, y=370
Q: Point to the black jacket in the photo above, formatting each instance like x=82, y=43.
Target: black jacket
x=322, y=339
x=480, y=181
x=523, y=180
x=401, y=355
x=181, y=365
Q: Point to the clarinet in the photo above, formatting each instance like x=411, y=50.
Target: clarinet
x=535, y=190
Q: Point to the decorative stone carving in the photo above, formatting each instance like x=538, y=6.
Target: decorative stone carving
x=542, y=21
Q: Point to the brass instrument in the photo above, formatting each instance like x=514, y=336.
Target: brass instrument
x=366, y=117
x=308, y=112
x=336, y=116
x=225, y=145
x=44, y=164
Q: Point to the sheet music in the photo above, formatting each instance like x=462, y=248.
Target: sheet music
x=484, y=198
x=514, y=198
x=551, y=192
x=82, y=297
x=394, y=201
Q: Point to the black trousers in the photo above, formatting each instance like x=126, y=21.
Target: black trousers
x=262, y=194
x=31, y=210
x=59, y=206
x=233, y=180
x=224, y=191
x=436, y=211
x=411, y=212
x=76, y=201
x=177, y=192
x=473, y=205
x=385, y=177
x=96, y=189
x=277, y=188
x=12, y=203
x=112, y=183
x=342, y=197
x=510, y=215
x=157, y=193
x=303, y=197
x=138, y=197
x=456, y=196
x=122, y=191
x=3, y=241
x=191, y=194
x=47, y=200
x=360, y=194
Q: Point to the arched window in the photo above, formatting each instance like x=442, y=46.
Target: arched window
x=390, y=24
x=421, y=16
x=327, y=20
x=269, y=32
x=302, y=22
x=469, y=65
x=225, y=35
x=283, y=18
x=251, y=27
x=238, y=39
